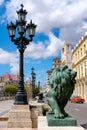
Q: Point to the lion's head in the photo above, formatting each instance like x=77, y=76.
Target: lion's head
x=63, y=77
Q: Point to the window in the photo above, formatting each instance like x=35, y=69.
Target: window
x=84, y=48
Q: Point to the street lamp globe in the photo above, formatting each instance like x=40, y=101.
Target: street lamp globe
x=11, y=29
x=31, y=29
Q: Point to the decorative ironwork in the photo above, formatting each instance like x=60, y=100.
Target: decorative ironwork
x=22, y=41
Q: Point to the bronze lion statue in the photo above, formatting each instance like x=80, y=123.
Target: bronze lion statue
x=62, y=83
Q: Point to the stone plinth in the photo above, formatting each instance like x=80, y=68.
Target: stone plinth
x=39, y=107
x=67, y=121
x=42, y=125
x=34, y=116
x=19, y=117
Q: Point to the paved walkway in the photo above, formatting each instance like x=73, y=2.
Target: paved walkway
x=5, y=107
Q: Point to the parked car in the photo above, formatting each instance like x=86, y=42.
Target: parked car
x=77, y=99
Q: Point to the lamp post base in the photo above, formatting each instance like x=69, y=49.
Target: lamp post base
x=21, y=99
x=19, y=117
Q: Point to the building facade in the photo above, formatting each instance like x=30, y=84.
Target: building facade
x=79, y=63
x=56, y=63
x=66, y=55
x=8, y=79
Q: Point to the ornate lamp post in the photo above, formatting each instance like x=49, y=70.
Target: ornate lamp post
x=33, y=82
x=22, y=41
x=39, y=84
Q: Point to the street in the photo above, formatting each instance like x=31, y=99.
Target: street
x=79, y=112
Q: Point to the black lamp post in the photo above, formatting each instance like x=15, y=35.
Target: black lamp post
x=21, y=42
x=33, y=82
x=39, y=84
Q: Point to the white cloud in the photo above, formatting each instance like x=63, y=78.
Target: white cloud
x=1, y=2
x=55, y=44
x=46, y=49
x=10, y=59
x=14, y=67
x=72, y=33
x=7, y=57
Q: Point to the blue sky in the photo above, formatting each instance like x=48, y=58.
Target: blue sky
x=57, y=21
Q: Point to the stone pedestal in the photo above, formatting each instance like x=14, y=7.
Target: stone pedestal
x=34, y=116
x=19, y=117
x=67, y=121
x=40, y=109
x=42, y=125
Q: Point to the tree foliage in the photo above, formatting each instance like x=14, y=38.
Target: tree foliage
x=36, y=90
x=10, y=89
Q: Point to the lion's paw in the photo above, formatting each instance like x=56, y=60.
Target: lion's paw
x=65, y=114
x=59, y=115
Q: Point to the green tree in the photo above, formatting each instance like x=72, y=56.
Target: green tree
x=28, y=89
x=10, y=89
x=36, y=90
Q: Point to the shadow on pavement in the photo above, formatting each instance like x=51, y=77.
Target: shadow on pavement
x=84, y=126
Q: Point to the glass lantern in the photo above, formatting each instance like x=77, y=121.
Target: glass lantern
x=12, y=29
x=31, y=29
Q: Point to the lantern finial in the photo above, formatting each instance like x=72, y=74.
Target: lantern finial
x=22, y=6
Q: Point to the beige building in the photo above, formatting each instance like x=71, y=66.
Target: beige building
x=66, y=55
x=56, y=63
x=79, y=63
